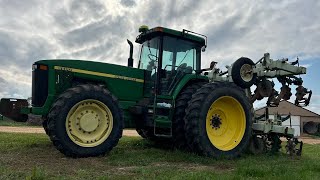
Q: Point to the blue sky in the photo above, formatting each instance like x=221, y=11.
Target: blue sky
x=312, y=82
x=97, y=30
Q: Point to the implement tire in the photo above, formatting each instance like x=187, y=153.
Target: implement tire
x=218, y=120
x=242, y=72
x=84, y=121
x=178, y=124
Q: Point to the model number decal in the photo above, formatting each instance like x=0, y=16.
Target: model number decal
x=81, y=71
x=63, y=68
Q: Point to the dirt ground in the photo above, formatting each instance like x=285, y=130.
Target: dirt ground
x=41, y=131
x=309, y=140
x=306, y=139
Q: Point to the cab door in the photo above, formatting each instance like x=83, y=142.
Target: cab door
x=160, y=105
x=176, y=59
x=166, y=61
x=155, y=115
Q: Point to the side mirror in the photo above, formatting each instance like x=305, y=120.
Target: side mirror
x=130, y=59
x=203, y=49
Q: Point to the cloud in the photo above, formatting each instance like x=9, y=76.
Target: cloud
x=128, y=3
x=13, y=83
x=315, y=103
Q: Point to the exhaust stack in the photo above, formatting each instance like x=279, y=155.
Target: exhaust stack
x=130, y=59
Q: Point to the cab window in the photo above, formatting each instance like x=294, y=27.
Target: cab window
x=178, y=59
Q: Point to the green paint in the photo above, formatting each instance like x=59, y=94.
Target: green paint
x=163, y=121
x=126, y=83
x=185, y=80
x=161, y=30
x=118, y=87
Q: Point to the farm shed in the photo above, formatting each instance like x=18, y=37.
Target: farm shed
x=300, y=117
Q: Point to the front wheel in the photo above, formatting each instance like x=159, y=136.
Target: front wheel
x=85, y=120
x=218, y=120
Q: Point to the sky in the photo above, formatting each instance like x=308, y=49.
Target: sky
x=97, y=31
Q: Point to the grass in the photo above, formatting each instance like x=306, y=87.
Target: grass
x=8, y=122
x=32, y=156
x=315, y=136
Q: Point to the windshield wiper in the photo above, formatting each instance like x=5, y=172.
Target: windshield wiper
x=184, y=57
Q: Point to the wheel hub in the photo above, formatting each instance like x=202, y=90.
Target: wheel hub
x=216, y=121
x=225, y=123
x=246, y=72
x=89, y=122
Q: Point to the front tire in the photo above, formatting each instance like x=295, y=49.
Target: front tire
x=85, y=120
x=218, y=120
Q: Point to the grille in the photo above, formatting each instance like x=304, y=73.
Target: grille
x=39, y=87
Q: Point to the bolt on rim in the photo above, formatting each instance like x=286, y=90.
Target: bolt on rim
x=225, y=123
x=89, y=123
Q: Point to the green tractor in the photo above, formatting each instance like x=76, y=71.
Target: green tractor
x=168, y=99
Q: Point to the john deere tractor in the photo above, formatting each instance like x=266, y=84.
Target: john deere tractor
x=168, y=99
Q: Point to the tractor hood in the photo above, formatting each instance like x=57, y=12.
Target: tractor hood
x=52, y=77
x=91, y=67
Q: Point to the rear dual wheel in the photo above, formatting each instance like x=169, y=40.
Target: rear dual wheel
x=218, y=120
x=178, y=130
x=85, y=121
x=178, y=139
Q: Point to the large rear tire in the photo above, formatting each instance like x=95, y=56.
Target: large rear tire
x=178, y=123
x=218, y=120
x=84, y=121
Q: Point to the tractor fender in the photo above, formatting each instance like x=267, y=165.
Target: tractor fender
x=189, y=78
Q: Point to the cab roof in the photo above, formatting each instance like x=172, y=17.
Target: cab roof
x=184, y=34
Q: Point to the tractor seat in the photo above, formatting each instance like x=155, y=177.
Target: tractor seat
x=181, y=71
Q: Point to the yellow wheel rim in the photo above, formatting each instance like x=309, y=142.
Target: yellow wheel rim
x=89, y=123
x=225, y=123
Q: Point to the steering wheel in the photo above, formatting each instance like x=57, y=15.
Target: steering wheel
x=178, y=74
x=182, y=66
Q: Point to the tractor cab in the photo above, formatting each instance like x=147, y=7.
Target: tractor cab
x=168, y=56
x=170, y=59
